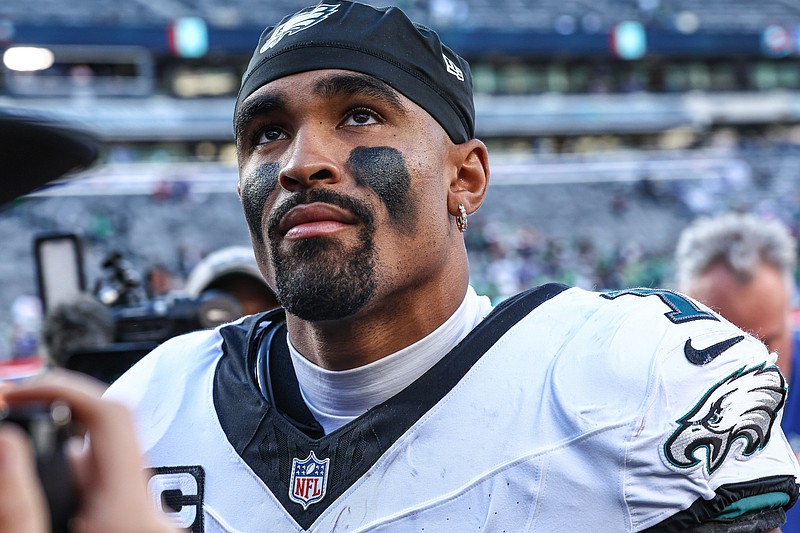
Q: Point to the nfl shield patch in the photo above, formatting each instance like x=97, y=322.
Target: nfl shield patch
x=309, y=480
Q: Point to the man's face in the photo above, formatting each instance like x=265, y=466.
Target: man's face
x=343, y=184
x=760, y=306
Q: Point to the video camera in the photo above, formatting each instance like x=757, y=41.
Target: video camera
x=139, y=319
x=131, y=323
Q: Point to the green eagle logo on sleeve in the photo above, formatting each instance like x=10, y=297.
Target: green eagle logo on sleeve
x=743, y=407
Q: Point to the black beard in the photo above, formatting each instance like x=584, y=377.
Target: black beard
x=321, y=278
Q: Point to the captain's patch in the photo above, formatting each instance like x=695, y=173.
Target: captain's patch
x=742, y=407
x=178, y=492
x=309, y=480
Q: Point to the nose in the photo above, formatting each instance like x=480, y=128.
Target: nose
x=311, y=161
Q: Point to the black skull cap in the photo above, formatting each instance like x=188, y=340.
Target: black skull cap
x=380, y=42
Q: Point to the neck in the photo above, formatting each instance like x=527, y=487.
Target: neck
x=380, y=328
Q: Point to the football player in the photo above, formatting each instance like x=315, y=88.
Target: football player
x=385, y=394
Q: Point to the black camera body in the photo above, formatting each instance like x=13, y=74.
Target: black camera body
x=157, y=320
x=105, y=334
x=138, y=318
x=140, y=328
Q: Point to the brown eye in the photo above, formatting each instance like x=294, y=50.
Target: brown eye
x=362, y=117
x=269, y=135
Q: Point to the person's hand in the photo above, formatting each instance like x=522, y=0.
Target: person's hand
x=108, y=472
x=22, y=502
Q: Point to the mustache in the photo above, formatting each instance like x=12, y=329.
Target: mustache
x=357, y=207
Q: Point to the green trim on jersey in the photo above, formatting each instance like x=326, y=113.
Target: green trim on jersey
x=759, y=502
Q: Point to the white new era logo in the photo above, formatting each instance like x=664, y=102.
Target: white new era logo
x=299, y=22
x=452, y=68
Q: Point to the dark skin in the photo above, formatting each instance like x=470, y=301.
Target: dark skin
x=354, y=136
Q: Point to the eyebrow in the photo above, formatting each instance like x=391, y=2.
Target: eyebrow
x=337, y=85
x=255, y=107
x=359, y=85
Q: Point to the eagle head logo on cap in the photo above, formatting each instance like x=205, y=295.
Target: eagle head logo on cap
x=299, y=22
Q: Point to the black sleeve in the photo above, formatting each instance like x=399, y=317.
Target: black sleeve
x=778, y=494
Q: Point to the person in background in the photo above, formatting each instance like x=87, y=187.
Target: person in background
x=232, y=270
x=743, y=267
x=386, y=394
x=158, y=281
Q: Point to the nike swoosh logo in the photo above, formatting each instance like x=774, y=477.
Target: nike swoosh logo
x=706, y=355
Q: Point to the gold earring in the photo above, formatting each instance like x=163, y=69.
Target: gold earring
x=461, y=219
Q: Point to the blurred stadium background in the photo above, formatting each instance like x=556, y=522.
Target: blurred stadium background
x=611, y=125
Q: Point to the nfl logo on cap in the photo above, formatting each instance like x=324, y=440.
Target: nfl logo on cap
x=309, y=480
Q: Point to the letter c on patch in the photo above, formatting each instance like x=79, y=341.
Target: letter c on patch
x=178, y=492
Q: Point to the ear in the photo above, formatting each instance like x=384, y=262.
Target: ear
x=468, y=184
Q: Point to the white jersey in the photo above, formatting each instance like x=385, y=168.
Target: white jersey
x=564, y=410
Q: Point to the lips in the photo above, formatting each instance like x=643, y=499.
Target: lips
x=315, y=219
